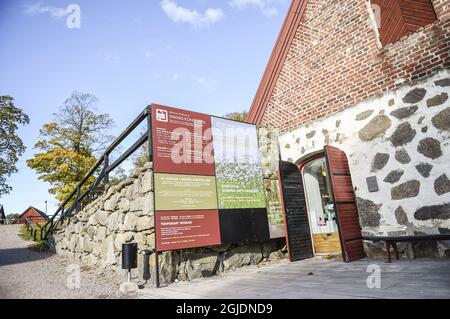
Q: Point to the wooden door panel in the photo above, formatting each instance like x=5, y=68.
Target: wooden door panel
x=345, y=204
x=298, y=235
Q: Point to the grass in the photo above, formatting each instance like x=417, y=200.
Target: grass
x=39, y=245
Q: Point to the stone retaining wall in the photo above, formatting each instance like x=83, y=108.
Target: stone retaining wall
x=124, y=214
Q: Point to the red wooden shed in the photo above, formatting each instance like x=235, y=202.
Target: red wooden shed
x=34, y=214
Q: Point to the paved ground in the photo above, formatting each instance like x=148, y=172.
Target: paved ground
x=28, y=274
x=319, y=278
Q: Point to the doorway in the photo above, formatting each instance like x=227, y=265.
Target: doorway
x=320, y=207
x=334, y=220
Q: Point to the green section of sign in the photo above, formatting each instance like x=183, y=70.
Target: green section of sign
x=239, y=185
x=185, y=192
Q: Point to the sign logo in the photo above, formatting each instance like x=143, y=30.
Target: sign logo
x=162, y=116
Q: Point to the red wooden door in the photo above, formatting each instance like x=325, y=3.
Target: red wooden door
x=345, y=204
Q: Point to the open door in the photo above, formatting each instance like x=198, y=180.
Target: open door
x=345, y=204
x=298, y=236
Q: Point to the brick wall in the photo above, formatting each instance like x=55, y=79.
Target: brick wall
x=335, y=61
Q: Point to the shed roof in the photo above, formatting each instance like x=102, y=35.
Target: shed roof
x=37, y=210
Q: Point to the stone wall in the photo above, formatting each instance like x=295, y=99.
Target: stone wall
x=124, y=214
x=403, y=138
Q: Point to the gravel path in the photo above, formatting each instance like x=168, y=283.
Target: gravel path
x=28, y=274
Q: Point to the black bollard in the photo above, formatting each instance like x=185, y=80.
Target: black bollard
x=129, y=258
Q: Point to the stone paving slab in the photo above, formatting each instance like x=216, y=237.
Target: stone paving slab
x=318, y=278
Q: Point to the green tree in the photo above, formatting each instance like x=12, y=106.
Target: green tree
x=69, y=145
x=11, y=146
x=12, y=218
x=237, y=116
x=119, y=176
x=141, y=156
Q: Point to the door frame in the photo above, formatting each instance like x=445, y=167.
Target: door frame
x=301, y=165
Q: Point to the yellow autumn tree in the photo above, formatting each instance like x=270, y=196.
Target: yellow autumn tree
x=69, y=145
x=237, y=116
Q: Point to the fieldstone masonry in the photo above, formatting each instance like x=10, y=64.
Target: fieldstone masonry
x=384, y=97
x=124, y=214
x=403, y=138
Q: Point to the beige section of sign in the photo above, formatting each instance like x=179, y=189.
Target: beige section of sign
x=185, y=192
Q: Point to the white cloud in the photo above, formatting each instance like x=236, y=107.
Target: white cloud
x=148, y=54
x=270, y=12
x=204, y=82
x=180, y=14
x=39, y=8
x=137, y=21
x=111, y=57
x=175, y=76
x=267, y=7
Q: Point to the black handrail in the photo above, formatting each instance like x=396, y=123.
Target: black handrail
x=62, y=212
x=33, y=228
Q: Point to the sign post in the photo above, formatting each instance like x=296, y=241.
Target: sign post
x=150, y=159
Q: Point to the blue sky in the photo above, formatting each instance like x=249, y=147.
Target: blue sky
x=203, y=55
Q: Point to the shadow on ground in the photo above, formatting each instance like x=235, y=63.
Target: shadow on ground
x=13, y=256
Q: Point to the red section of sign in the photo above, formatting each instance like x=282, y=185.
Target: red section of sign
x=180, y=141
x=187, y=229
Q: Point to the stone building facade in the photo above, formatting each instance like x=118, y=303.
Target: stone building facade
x=330, y=81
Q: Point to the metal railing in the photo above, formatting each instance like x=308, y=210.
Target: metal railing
x=66, y=210
x=34, y=228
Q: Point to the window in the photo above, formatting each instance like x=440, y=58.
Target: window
x=397, y=18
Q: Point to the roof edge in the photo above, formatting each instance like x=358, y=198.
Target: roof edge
x=276, y=61
x=40, y=212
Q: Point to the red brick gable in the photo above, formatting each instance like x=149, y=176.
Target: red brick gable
x=276, y=61
x=332, y=60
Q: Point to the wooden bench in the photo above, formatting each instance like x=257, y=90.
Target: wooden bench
x=391, y=241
